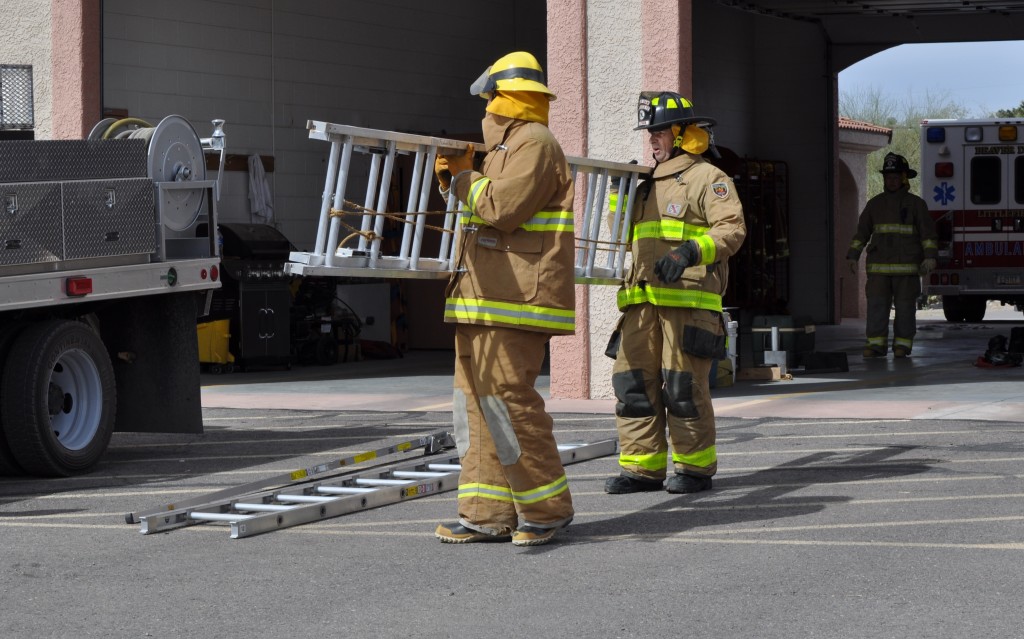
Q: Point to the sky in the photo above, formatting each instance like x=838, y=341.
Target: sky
x=982, y=76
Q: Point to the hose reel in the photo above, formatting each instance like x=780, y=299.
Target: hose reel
x=174, y=154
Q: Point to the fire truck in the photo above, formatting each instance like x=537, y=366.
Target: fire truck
x=108, y=255
x=972, y=177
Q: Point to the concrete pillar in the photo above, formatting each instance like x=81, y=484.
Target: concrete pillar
x=76, y=67
x=567, y=77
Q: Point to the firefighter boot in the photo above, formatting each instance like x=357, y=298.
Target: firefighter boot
x=527, y=535
x=900, y=351
x=458, y=534
x=870, y=353
x=626, y=484
x=684, y=483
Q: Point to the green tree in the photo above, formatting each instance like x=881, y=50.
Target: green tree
x=1016, y=112
x=904, y=118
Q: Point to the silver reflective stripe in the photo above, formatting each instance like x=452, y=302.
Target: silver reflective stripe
x=500, y=424
x=460, y=421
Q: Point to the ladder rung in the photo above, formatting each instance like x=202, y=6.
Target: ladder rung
x=219, y=516
x=304, y=499
x=448, y=467
x=343, y=490
x=383, y=482
x=268, y=508
x=416, y=474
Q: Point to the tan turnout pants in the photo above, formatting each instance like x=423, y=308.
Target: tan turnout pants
x=660, y=378
x=511, y=468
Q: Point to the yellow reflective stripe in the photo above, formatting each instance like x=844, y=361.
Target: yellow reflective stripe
x=929, y=244
x=893, y=229
x=877, y=341
x=549, y=221
x=475, y=190
x=903, y=341
x=668, y=230
x=660, y=296
x=542, y=221
x=892, y=269
x=856, y=245
x=657, y=461
x=541, y=493
x=671, y=103
x=707, y=249
x=485, y=491
x=510, y=313
x=701, y=458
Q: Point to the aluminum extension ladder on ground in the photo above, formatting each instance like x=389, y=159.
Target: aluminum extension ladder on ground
x=349, y=235
x=254, y=508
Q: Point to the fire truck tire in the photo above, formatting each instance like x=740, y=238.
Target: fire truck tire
x=58, y=398
x=952, y=308
x=974, y=308
x=8, y=465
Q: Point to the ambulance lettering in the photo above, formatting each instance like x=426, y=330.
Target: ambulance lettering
x=988, y=249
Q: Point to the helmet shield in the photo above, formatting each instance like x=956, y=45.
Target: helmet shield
x=518, y=71
x=483, y=86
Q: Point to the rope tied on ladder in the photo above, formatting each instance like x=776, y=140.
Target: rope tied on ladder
x=349, y=208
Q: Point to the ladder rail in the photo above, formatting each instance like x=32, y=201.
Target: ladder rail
x=318, y=500
x=599, y=230
x=431, y=444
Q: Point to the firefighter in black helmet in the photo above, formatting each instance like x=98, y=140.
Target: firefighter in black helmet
x=688, y=221
x=899, y=237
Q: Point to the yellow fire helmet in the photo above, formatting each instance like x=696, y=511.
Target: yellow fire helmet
x=517, y=71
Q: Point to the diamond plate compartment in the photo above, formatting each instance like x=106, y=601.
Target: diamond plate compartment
x=30, y=223
x=62, y=160
x=109, y=217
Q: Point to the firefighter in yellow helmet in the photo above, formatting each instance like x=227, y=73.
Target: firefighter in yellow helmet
x=688, y=221
x=901, y=242
x=511, y=290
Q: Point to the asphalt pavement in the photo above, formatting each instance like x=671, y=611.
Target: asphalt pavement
x=883, y=501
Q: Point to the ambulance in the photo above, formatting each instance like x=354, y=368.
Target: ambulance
x=972, y=178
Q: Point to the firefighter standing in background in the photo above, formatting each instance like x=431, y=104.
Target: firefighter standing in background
x=901, y=246
x=688, y=221
x=511, y=290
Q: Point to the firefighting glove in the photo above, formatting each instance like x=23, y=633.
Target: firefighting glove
x=853, y=266
x=459, y=163
x=670, y=267
x=927, y=266
x=444, y=175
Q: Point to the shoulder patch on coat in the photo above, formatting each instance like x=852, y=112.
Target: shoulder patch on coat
x=721, y=189
x=674, y=209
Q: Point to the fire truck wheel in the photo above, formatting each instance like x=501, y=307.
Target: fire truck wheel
x=58, y=398
x=8, y=465
x=974, y=308
x=953, y=308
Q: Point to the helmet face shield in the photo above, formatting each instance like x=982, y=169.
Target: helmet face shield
x=518, y=71
x=483, y=86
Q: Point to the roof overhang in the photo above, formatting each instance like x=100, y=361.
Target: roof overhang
x=858, y=29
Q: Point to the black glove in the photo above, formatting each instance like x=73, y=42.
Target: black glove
x=671, y=265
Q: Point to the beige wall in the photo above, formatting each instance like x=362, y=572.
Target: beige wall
x=21, y=23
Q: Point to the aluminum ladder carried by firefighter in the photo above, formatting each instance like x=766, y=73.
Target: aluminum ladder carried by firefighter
x=314, y=494
x=601, y=234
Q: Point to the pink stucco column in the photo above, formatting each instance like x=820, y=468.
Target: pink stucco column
x=567, y=77
x=668, y=45
x=76, y=67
